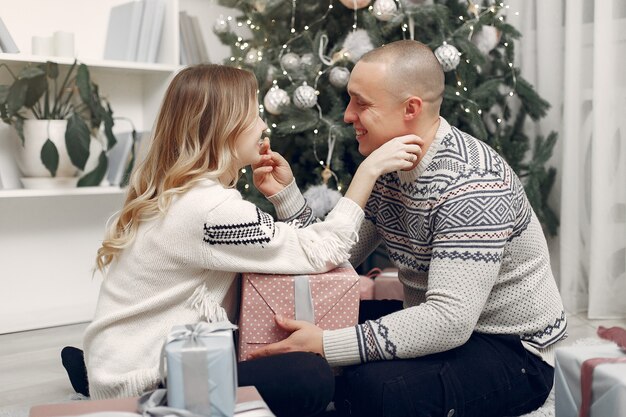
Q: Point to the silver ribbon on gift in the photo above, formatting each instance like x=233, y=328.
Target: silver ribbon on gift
x=195, y=366
x=303, y=299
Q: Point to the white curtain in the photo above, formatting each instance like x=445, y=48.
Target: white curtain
x=574, y=52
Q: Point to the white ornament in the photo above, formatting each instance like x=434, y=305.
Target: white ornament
x=290, y=61
x=448, y=57
x=321, y=199
x=272, y=71
x=356, y=44
x=384, y=9
x=275, y=99
x=221, y=25
x=355, y=4
x=307, y=60
x=252, y=57
x=486, y=39
x=339, y=76
x=304, y=97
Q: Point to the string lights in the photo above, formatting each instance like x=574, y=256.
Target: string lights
x=477, y=15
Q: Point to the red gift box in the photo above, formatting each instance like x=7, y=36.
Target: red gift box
x=329, y=300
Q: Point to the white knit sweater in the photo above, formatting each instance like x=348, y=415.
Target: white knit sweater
x=182, y=266
x=470, y=252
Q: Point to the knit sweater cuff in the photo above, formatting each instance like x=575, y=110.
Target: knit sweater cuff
x=348, y=208
x=341, y=347
x=288, y=202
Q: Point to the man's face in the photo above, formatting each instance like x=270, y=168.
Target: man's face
x=375, y=113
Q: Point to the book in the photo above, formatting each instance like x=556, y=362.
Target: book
x=186, y=35
x=157, y=31
x=123, y=31
x=147, y=21
x=119, y=157
x=151, y=30
x=203, y=55
x=7, y=44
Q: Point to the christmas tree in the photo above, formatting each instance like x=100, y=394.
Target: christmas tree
x=302, y=53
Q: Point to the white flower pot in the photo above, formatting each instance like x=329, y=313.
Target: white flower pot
x=36, y=132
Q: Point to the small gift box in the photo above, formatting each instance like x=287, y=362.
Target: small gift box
x=329, y=300
x=590, y=381
x=202, y=369
x=381, y=285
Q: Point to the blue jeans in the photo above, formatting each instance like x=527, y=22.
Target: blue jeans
x=488, y=376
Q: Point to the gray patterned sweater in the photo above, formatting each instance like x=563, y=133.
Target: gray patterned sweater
x=470, y=252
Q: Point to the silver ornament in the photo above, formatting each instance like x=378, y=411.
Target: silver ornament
x=304, y=97
x=275, y=99
x=307, y=60
x=339, y=76
x=321, y=199
x=448, y=57
x=221, y=25
x=252, y=57
x=290, y=61
x=384, y=9
x=272, y=71
x=486, y=39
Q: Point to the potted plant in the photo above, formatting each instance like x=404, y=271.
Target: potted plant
x=60, y=121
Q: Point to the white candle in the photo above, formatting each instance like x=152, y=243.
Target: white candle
x=64, y=44
x=42, y=45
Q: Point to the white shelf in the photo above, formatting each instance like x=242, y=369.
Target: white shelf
x=48, y=238
x=61, y=192
x=128, y=67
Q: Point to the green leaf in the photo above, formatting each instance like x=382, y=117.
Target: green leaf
x=77, y=139
x=4, y=94
x=94, y=178
x=50, y=157
x=107, y=116
x=30, y=72
x=17, y=96
x=18, y=122
x=83, y=83
x=52, y=69
x=36, y=88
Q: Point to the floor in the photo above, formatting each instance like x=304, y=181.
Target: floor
x=31, y=371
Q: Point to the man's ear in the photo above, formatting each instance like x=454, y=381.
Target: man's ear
x=413, y=107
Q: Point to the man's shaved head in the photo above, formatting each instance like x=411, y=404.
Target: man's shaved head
x=412, y=70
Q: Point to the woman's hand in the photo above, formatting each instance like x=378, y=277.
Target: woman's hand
x=400, y=153
x=273, y=173
x=403, y=152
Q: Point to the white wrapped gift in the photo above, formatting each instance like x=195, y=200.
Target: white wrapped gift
x=202, y=368
x=608, y=386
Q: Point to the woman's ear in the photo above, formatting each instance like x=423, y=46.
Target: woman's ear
x=413, y=107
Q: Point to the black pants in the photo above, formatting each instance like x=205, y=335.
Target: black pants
x=489, y=376
x=294, y=384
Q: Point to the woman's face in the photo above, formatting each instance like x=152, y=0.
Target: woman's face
x=248, y=143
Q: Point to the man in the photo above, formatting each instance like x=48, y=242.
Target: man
x=482, y=313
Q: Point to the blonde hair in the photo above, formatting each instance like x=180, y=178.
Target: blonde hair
x=205, y=109
x=416, y=70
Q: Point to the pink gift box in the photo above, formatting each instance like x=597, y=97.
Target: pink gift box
x=334, y=296
x=387, y=286
x=381, y=285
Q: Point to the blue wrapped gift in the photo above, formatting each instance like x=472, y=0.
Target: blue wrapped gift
x=202, y=368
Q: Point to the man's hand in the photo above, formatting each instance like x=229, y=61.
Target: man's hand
x=273, y=173
x=305, y=337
